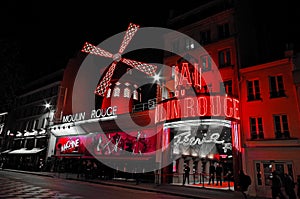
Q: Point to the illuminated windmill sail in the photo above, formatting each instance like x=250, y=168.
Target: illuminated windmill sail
x=149, y=69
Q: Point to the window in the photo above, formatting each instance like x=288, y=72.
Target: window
x=135, y=95
x=253, y=90
x=205, y=61
x=276, y=86
x=117, y=92
x=267, y=173
x=189, y=44
x=225, y=58
x=227, y=87
x=127, y=92
x=281, y=126
x=205, y=37
x=223, y=31
x=256, y=128
x=264, y=170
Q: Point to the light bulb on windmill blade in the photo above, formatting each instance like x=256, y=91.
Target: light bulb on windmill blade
x=149, y=69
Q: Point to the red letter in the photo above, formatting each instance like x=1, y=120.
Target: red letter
x=189, y=108
x=175, y=109
x=185, y=74
x=197, y=75
x=202, y=106
x=215, y=105
x=228, y=110
x=236, y=113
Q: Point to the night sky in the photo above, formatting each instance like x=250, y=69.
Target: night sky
x=48, y=33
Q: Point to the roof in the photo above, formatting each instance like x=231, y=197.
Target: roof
x=3, y=152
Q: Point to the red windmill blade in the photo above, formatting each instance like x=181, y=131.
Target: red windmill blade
x=149, y=69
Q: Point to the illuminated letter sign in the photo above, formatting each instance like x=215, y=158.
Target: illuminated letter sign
x=70, y=145
x=197, y=106
x=185, y=75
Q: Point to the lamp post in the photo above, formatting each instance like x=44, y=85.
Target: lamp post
x=48, y=107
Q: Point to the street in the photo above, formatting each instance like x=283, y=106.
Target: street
x=19, y=185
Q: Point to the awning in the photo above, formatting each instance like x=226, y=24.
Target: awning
x=4, y=152
x=25, y=151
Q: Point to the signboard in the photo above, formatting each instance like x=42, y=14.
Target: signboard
x=108, y=144
x=201, y=106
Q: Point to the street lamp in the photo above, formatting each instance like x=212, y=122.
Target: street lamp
x=48, y=107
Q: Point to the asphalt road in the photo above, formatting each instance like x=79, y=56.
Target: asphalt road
x=19, y=185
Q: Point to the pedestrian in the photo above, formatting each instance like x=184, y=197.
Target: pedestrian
x=212, y=171
x=289, y=186
x=244, y=182
x=186, y=174
x=219, y=171
x=276, y=185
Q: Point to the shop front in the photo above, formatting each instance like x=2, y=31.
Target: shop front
x=203, y=133
x=114, y=154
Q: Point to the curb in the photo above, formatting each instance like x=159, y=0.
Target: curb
x=29, y=172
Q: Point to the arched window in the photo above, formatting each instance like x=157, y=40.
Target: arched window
x=127, y=92
x=117, y=92
x=135, y=95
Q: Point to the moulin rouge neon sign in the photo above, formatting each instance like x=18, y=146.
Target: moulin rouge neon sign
x=197, y=106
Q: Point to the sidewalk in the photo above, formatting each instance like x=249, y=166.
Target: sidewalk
x=188, y=191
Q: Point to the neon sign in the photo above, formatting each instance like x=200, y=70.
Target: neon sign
x=98, y=113
x=186, y=140
x=197, y=106
x=186, y=77
x=70, y=145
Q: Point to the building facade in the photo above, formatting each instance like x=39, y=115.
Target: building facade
x=32, y=115
x=270, y=124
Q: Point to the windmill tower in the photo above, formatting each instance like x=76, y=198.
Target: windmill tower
x=109, y=87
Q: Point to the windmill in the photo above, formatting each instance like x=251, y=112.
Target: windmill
x=149, y=69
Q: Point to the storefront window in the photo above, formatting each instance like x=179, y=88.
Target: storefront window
x=267, y=173
x=258, y=174
x=265, y=176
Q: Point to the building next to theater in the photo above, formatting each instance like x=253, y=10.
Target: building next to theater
x=270, y=122
x=27, y=140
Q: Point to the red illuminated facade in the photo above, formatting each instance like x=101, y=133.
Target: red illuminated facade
x=270, y=122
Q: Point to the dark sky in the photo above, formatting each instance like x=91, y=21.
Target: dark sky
x=48, y=33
